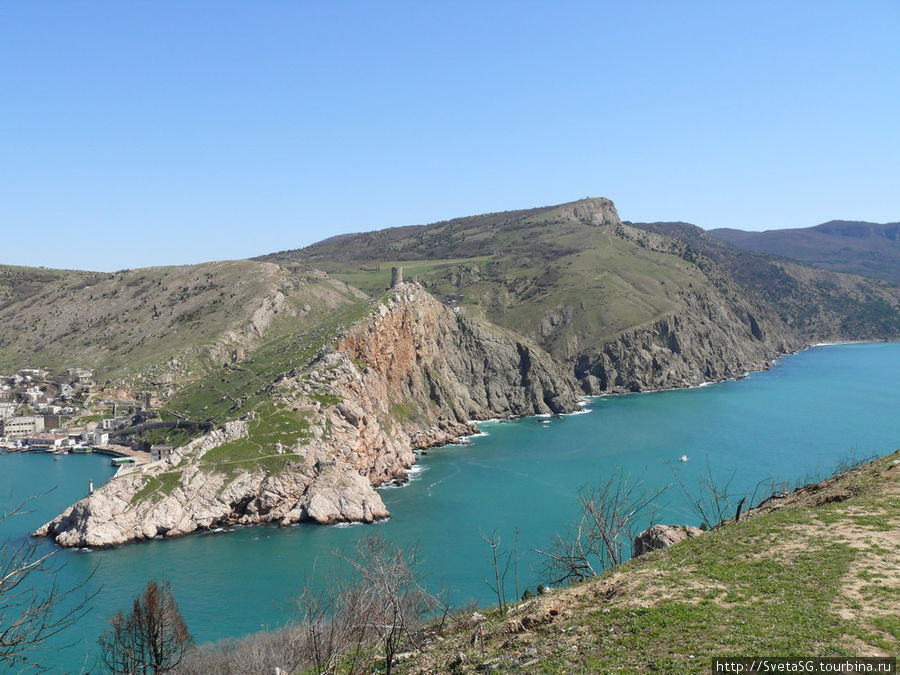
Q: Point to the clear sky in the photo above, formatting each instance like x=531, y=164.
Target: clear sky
x=144, y=133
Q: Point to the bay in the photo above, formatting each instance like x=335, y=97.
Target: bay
x=793, y=423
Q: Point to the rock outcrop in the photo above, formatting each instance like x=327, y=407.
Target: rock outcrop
x=411, y=375
x=662, y=536
x=591, y=211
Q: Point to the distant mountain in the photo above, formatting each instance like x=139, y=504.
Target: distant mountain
x=855, y=247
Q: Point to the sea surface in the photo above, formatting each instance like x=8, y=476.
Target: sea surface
x=783, y=427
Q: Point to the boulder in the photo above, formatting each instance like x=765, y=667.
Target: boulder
x=662, y=536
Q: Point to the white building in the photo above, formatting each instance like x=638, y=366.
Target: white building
x=19, y=427
x=158, y=452
x=95, y=438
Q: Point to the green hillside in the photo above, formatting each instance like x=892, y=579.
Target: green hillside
x=812, y=574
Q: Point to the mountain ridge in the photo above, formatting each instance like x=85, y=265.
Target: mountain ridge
x=857, y=247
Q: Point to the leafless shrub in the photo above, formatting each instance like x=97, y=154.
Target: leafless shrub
x=603, y=534
x=391, y=603
x=852, y=461
x=712, y=503
x=501, y=561
x=338, y=627
x=29, y=608
x=152, y=638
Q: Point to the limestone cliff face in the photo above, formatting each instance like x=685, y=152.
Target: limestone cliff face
x=409, y=376
x=713, y=339
x=452, y=367
x=592, y=211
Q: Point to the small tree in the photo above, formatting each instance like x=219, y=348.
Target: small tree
x=500, y=563
x=153, y=638
x=712, y=503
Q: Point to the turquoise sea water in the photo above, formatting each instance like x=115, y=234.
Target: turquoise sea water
x=796, y=421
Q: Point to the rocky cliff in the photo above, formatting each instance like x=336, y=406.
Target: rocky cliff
x=410, y=375
x=712, y=338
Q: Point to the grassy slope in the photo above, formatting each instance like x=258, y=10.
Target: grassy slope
x=249, y=390
x=134, y=321
x=813, y=574
x=571, y=286
x=519, y=269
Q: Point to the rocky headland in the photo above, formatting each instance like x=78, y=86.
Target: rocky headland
x=411, y=375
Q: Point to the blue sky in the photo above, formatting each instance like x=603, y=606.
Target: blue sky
x=147, y=133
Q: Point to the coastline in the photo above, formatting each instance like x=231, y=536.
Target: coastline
x=584, y=400
x=580, y=408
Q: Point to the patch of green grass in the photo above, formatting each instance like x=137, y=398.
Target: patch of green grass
x=326, y=400
x=150, y=486
x=175, y=436
x=169, y=480
x=271, y=427
x=402, y=411
x=890, y=625
x=156, y=487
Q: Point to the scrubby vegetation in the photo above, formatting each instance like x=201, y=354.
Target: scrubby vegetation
x=812, y=572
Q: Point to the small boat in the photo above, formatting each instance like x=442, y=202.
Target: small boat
x=683, y=458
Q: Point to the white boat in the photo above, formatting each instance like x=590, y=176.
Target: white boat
x=683, y=458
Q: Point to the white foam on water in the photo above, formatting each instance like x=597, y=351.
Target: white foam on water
x=583, y=411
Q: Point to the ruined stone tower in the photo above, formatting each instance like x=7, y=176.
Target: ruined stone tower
x=396, y=276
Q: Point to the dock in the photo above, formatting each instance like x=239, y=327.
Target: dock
x=120, y=453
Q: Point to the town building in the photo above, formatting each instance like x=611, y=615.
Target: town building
x=158, y=452
x=46, y=442
x=19, y=427
x=95, y=437
x=112, y=423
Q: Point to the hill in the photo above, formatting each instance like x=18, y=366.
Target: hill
x=868, y=249
x=810, y=573
x=160, y=325
x=590, y=289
